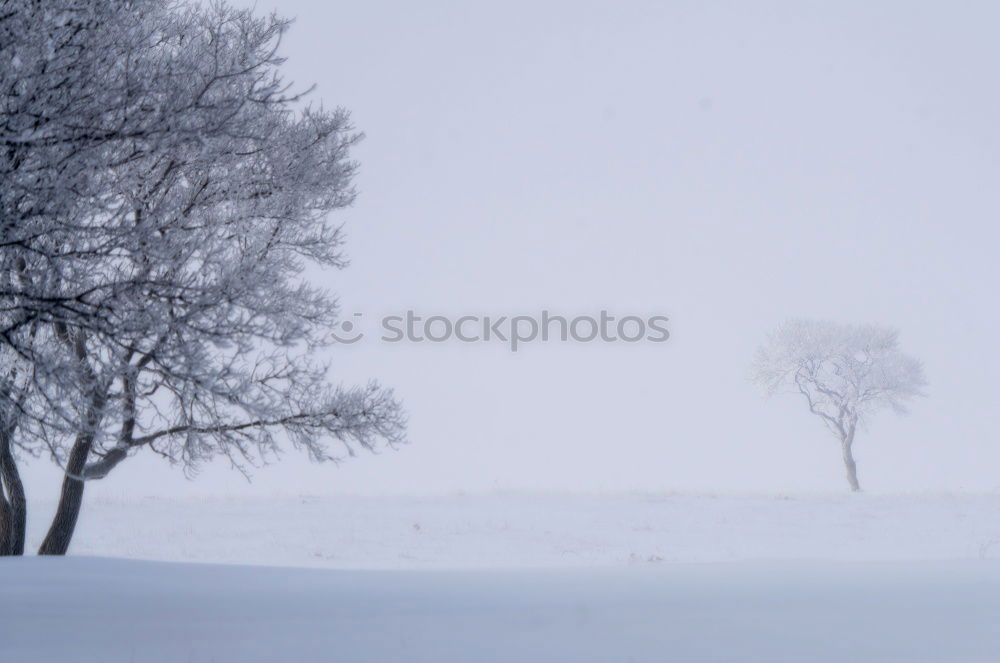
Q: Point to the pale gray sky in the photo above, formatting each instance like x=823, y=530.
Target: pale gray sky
x=728, y=164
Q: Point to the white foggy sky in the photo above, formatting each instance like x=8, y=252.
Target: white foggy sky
x=726, y=164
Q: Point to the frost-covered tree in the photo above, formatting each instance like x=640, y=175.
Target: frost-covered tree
x=59, y=110
x=845, y=373
x=162, y=303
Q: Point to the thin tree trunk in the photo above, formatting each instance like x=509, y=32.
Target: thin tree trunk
x=15, y=506
x=849, y=464
x=70, y=499
x=6, y=524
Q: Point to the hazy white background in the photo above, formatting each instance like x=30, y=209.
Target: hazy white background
x=726, y=164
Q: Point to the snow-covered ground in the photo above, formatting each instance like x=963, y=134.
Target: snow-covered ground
x=515, y=578
x=85, y=609
x=504, y=531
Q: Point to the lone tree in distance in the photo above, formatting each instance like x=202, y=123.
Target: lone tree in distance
x=845, y=373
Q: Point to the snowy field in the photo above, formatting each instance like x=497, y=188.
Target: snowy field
x=516, y=578
x=118, y=610
x=504, y=531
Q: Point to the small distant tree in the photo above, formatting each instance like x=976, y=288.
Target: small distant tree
x=845, y=373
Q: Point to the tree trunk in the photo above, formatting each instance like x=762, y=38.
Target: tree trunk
x=14, y=509
x=6, y=525
x=71, y=498
x=64, y=522
x=849, y=464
